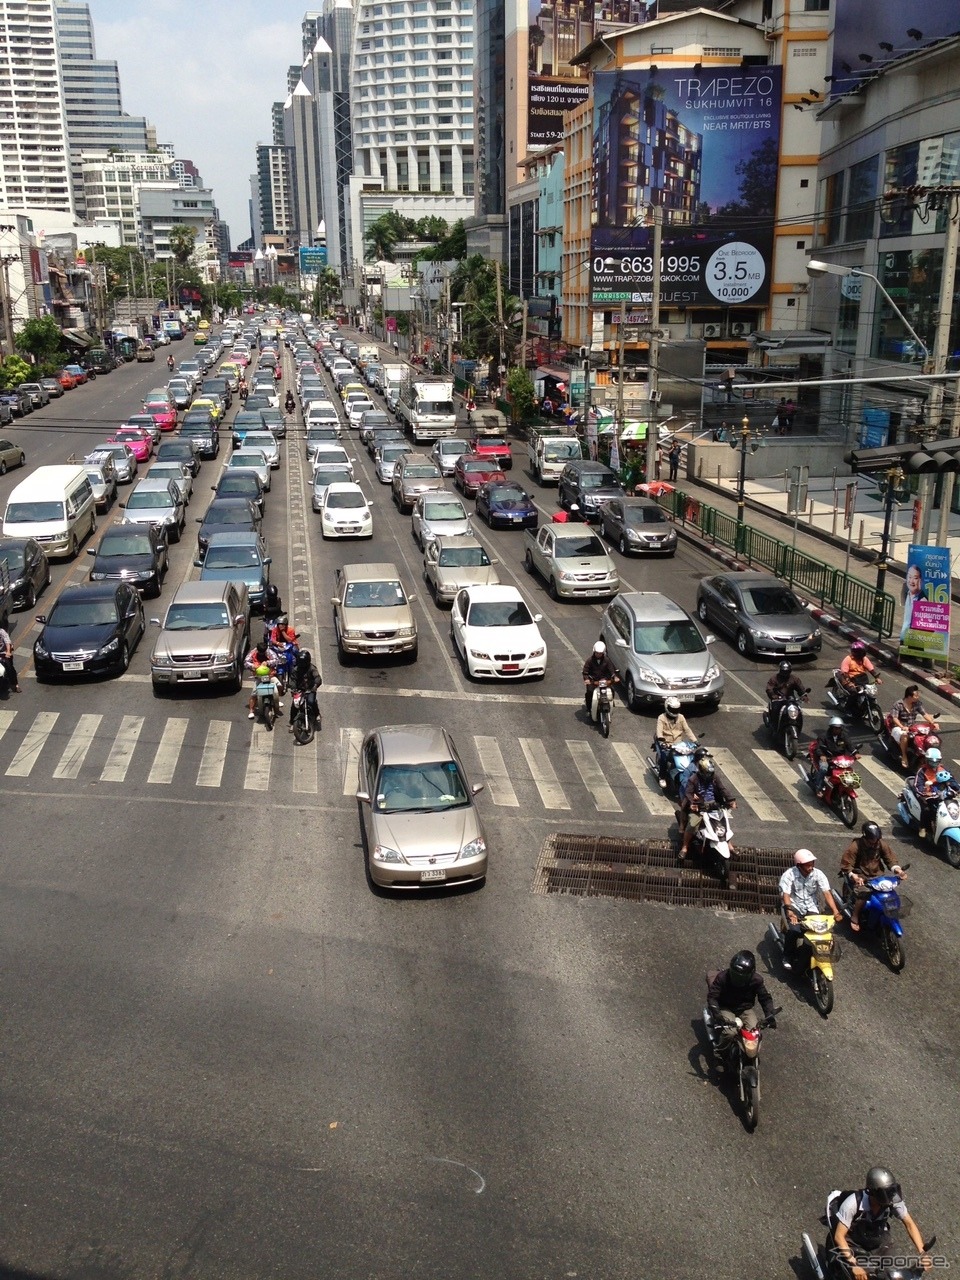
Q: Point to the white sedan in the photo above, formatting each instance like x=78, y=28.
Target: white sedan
x=496, y=635
x=345, y=512
x=355, y=411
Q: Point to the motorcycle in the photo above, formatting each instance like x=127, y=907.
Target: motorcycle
x=787, y=724
x=880, y=913
x=818, y=949
x=825, y=1265
x=286, y=656
x=601, y=705
x=289, y=404
x=857, y=704
x=305, y=719
x=741, y=1058
x=712, y=839
x=839, y=786
x=944, y=834
x=672, y=773
x=920, y=737
x=267, y=707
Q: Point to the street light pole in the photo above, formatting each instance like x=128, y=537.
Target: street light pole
x=817, y=268
x=745, y=439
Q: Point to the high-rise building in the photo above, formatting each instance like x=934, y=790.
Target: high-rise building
x=111, y=183
x=91, y=93
x=332, y=91
x=35, y=168
x=273, y=194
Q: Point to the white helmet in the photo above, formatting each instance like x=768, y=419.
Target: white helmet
x=803, y=857
x=599, y=648
x=672, y=707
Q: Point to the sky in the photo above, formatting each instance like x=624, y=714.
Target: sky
x=205, y=72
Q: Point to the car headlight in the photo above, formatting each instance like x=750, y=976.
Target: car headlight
x=649, y=676
x=538, y=653
x=406, y=631
x=40, y=649
x=161, y=660
x=383, y=853
x=352, y=633
x=473, y=848
x=759, y=633
x=567, y=577
x=224, y=659
x=97, y=577
x=110, y=647
x=478, y=653
x=713, y=672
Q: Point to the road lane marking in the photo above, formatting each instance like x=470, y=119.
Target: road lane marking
x=881, y=773
x=305, y=761
x=6, y=720
x=594, y=778
x=33, y=743
x=210, y=772
x=121, y=753
x=257, y=777
x=350, y=740
x=786, y=774
x=543, y=774
x=495, y=773
x=638, y=771
x=747, y=787
x=168, y=752
x=76, y=749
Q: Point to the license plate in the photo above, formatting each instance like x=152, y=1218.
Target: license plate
x=510, y=666
x=191, y=675
x=73, y=666
x=792, y=648
x=517, y=519
x=381, y=648
x=437, y=874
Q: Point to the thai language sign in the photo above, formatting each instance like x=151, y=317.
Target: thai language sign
x=925, y=631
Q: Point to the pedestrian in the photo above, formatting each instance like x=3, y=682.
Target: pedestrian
x=8, y=678
x=659, y=461
x=790, y=410
x=674, y=459
x=396, y=348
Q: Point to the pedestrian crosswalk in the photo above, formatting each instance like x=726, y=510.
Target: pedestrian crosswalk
x=578, y=777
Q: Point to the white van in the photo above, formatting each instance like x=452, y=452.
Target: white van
x=55, y=505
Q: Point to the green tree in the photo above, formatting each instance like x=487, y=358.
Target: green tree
x=13, y=371
x=451, y=247
x=41, y=339
x=183, y=242
x=521, y=392
x=381, y=238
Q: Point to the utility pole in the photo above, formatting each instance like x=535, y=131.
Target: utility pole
x=941, y=350
x=621, y=352
x=501, y=368
x=6, y=303
x=653, y=350
x=523, y=336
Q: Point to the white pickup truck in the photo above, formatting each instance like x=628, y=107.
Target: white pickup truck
x=426, y=409
x=572, y=561
x=549, y=454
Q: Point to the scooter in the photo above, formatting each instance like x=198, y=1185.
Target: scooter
x=826, y=1265
x=712, y=840
x=601, y=705
x=839, y=786
x=860, y=704
x=945, y=833
x=920, y=737
x=816, y=954
x=880, y=913
x=741, y=1058
x=266, y=701
x=286, y=656
x=305, y=719
x=787, y=724
x=679, y=763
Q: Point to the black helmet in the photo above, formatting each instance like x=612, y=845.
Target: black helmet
x=742, y=968
x=701, y=753
x=303, y=658
x=882, y=1185
x=273, y=593
x=785, y=669
x=871, y=831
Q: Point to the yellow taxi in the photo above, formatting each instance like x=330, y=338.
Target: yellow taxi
x=204, y=324
x=352, y=386
x=213, y=407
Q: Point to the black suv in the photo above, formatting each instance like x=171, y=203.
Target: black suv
x=589, y=485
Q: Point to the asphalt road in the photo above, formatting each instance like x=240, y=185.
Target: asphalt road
x=223, y=1055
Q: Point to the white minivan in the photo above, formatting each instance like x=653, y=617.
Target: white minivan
x=56, y=505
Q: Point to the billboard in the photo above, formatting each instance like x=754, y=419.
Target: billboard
x=704, y=148
x=925, y=629
x=313, y=258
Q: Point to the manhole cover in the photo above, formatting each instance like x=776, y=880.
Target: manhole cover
x=648, y=871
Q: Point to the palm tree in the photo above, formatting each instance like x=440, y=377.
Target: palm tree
x=381, y=238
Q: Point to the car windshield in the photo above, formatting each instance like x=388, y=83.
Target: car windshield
x=594, y=479
x=376, y=420
x=124, y=544
x=770, y=600
x=232, y=558
x=238, y=460
x=436, y=406
x=157, y=406
x=421, y=472
x=148, y=499
x=667, y=637
x=443, y=511
x=345, y=501
x=374, y=595
x=463, y=558
x=13, y=558
x=643, y=515
x=227, y=515
x=29, y=512
x=83, y=613
x=499, y=613
x=491, y=442
x=196, y=617
x=476, y=467
x=508, y=493
x=588, y=545
x=391, y=452
x=421, y=788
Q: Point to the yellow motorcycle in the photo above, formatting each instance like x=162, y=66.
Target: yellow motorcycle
x=816, y=953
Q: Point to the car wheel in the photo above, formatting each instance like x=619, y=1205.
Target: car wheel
x=30, y=599
x=743, y=644
x=528, y=562
x=552, y=589
x=702, y=610
x=630, y=692
x=3, y=468
x=622, y=545
x=74, y=547
x=124, y=658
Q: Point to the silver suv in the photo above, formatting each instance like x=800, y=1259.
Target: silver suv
x=204, y=636
x=659, y=651
x=372, y=614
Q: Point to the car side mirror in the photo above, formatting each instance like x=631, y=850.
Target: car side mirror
x=411, y=599
x=731, y=604
x=154, y=622
x=122, y=505
x=198, y=519
x=91, y=551
x=620, y=642
x=538, y=617
x=477, y=788
x=363, y=797
x=41, y=618
x=268, y=559
x=334, y=600
x=709, y=639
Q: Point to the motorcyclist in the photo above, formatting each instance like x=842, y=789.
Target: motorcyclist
x=732, y=993
x=671, y=728
x=801, y=887
x=597, y=667
x=908, y=711
x=783, y=684
x=242, y=389
x=568, y=517
x=856, y=668
x=305, y=679
x=867, y=855
x=928, y=786
x=259, y=656
x=832, y=742
x=289, y=403
x=171, y=363
x=277, y=372
x=705, y=788
x=860, y=1224
x=272, y=604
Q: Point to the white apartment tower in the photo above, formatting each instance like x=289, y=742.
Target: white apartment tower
x=34, y=158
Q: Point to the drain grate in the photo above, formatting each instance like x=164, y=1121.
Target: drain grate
x=648, y=871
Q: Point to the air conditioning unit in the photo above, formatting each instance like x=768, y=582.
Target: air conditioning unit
x=712, y=330
x=739, y=328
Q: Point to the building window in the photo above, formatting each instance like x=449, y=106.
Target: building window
x=832, y=207
x=403, y=171
x=423, y=170
x=861, y=199
x=816, y=6
x=446, y=169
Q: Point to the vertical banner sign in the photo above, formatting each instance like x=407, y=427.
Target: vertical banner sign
x=925, y=632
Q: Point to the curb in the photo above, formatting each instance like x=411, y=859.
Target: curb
x=887, y=657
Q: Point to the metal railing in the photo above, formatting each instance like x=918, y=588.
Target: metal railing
x=830, y=587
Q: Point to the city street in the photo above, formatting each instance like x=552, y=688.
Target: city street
x=223, y=1054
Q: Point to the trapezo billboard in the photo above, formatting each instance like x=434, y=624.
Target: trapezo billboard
x=704, y=148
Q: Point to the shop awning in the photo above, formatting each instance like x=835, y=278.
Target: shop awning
x=558, y=375
x=79, y=338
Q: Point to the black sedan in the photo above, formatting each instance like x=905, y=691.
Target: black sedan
x=505, y=504
x=27, y=568
x=92, y=630
x=760, y=612
x=131, y=553
x=227, y=515
x=241, y=483
x=638, y=526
